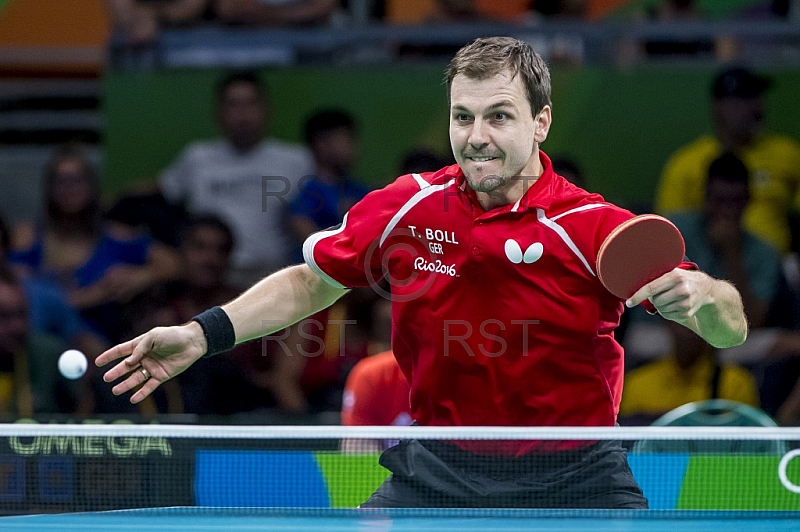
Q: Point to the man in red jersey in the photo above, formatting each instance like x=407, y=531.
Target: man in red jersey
x=498, y=315
x=376, y=393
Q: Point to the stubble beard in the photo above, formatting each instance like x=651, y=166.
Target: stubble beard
x=487, y=183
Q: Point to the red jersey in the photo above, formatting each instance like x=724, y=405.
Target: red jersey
x=376, y=393
x=499, y=317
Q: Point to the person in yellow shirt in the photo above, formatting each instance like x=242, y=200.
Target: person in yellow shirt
x=772, y=160
x=690, y=373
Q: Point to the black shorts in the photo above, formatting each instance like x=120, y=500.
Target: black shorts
x=434, y=474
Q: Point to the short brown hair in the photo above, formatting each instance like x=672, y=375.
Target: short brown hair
x=487, y=57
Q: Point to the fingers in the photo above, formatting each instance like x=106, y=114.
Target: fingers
x=135, y=349
x=118, y=351
x=144, y=346
x=135, y=378
x=674, y=295
x=149, y=387
x=648, y=291
x=652, y=289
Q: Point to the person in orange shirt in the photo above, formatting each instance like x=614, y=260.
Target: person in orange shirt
x=376, y=393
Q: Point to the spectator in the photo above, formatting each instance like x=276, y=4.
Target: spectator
x=139, y=21
x=238, y=381
x=48, y=309
x=677, y=12
x=29, y=378
x=773, y=161
x=376, y=393
x=327, y=195
x=100, y=266
x=690, y=373
x=143, y=208
x=565, y=8
x=569, y=170
x=244, y=178
x=718, y=243
x=324, y=198
x=421, y=160
x=275, y=13
x=410, y=11
x=50, y=313
x=715, y=239
x=510, y=11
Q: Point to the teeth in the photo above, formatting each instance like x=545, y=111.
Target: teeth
x=481, y=159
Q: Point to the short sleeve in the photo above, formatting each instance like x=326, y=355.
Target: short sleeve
x=607, y=219
x=174, y=181
x=681, y=184
x=360, y=396
x=133, y=251
x=349, y=254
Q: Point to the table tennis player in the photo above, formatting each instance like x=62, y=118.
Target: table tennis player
x=499, y=317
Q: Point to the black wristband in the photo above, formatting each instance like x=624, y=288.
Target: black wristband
x=218, y=330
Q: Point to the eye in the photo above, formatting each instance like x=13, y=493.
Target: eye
x=461, y=117
x=500, y=117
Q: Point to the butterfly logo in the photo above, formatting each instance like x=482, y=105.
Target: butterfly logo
x=515, y=254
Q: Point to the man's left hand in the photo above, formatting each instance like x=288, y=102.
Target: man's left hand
x=676, y=295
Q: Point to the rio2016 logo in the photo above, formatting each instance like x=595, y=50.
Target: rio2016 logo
x=437, y=266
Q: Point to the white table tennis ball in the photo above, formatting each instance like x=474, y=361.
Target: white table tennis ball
x=72, y=364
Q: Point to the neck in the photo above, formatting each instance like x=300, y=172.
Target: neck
x=72, y=226
x=328, y=174
x=732, y=142
x=244, y=147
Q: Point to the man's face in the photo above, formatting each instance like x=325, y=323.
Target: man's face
x=725, y=200
x=336, y=149
x=13, y=318
x=492, y=132
x=242, y=115
x=205, y=257
x=742, y=118
x=72, y=188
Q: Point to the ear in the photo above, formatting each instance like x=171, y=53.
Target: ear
x=542, y=123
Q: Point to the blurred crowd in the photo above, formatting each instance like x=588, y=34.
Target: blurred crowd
x=88, y=273
x=141, y=20
x=93, y=271
x=138, y=25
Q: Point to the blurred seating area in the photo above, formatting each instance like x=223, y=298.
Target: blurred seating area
x=136, y=138
x=357, y=32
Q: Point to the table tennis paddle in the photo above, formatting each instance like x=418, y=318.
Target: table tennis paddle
x=638, y=251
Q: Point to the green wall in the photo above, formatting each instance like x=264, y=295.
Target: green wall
x=619, y=125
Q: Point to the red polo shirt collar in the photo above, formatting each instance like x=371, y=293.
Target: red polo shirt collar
x=539, y=195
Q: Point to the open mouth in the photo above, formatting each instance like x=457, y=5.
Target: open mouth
x=481, y=159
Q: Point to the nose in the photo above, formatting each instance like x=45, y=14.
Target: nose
x=478, y=135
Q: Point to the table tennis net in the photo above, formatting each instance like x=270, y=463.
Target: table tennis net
x=66, y=468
